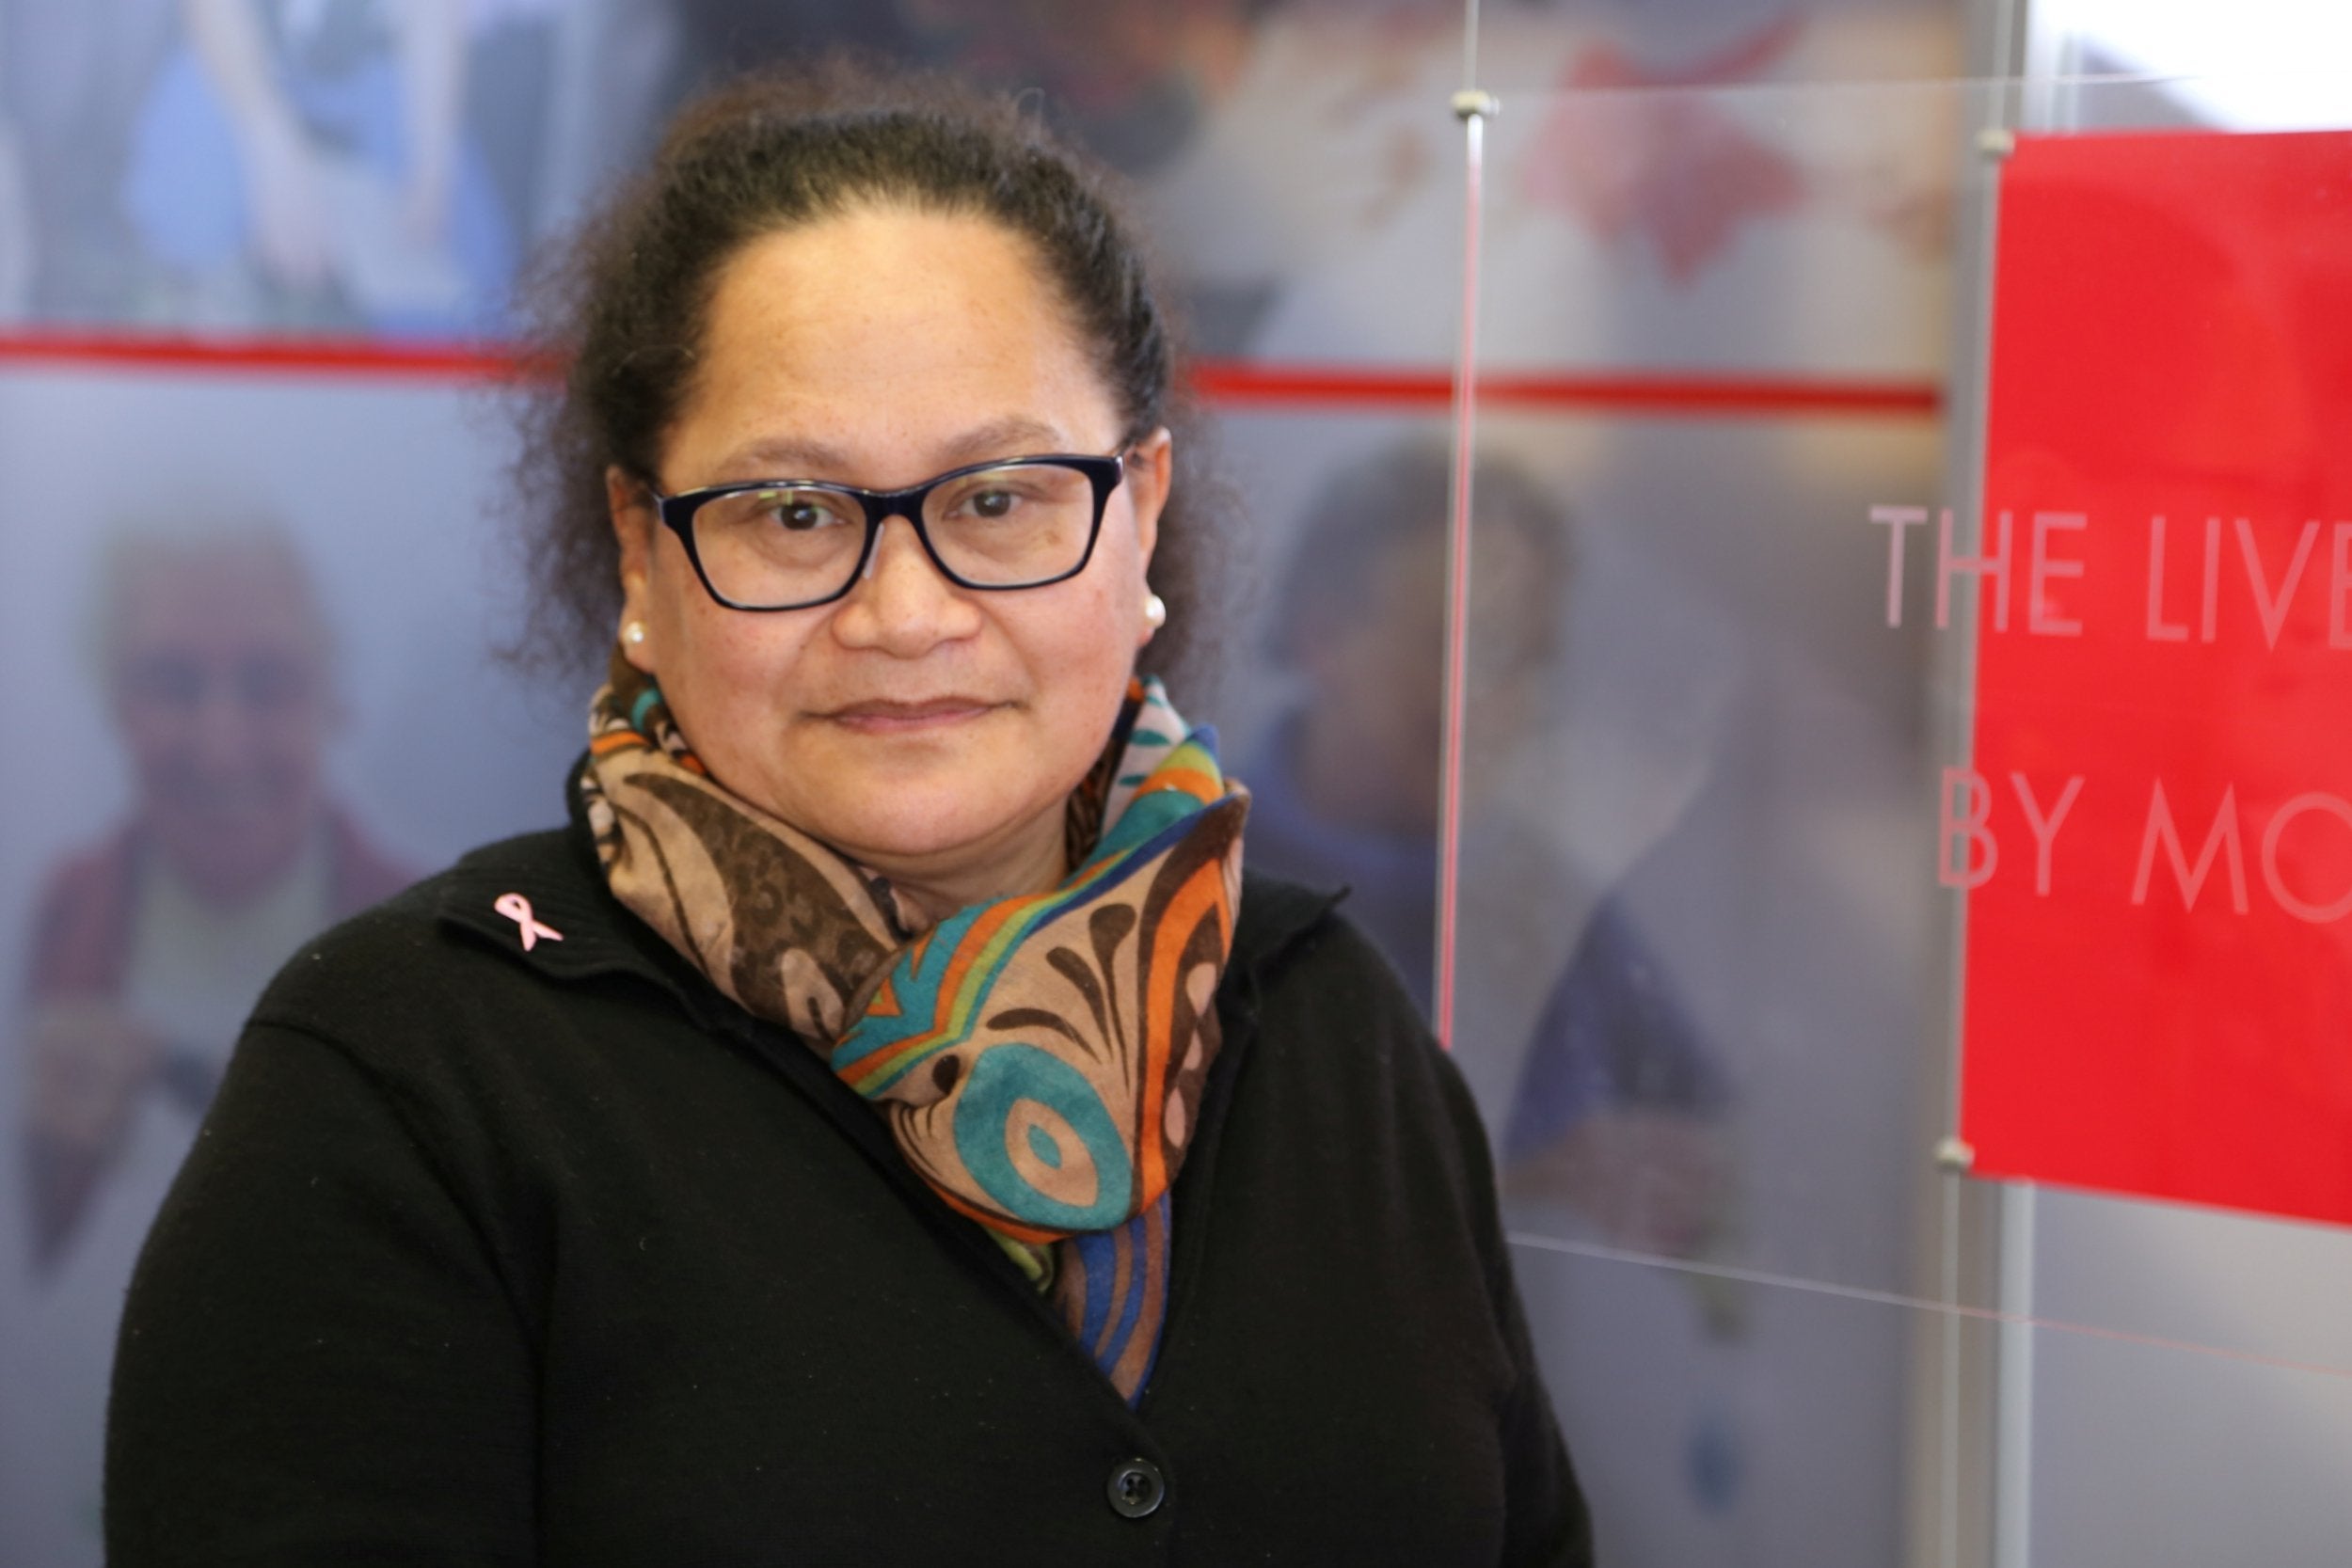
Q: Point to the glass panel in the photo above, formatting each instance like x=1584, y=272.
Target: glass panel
x=1714, y=1421
x=1710, y=974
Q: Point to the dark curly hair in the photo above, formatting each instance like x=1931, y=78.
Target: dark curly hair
x=624, y=307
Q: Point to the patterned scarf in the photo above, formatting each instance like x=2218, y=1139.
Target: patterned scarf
x=1039, y=1059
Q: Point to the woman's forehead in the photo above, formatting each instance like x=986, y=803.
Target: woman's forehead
x=882, y=330
x=873, y=271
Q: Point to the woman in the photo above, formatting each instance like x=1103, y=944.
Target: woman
x=783, y=1163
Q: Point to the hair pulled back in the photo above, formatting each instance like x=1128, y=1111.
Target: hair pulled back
x=626, y=305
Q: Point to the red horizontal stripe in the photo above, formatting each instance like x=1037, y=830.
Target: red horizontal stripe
x=1226, y=383
x=267, y=356
x=1239, y=384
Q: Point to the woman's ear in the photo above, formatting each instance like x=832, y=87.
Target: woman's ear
x=633, y=526
x=1151, y=468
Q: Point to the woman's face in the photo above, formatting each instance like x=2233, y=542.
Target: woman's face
x=928, y=731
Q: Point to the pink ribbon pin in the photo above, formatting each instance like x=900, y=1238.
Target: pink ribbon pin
x=516, y=907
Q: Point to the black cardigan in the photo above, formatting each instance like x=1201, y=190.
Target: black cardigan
x=488, y=1256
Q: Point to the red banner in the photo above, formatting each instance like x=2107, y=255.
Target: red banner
x=2154, y=829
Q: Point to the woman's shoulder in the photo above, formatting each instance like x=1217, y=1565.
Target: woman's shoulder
x=1275, y=915
x=389, y=924
x=1339, y=1069
x=1296, y=940
x=495, y=925
x=1321, y=995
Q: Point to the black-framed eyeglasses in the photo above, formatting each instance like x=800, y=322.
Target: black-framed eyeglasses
x=794, y=544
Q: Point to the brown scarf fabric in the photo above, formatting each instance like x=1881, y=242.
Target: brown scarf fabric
x=1039, y=1059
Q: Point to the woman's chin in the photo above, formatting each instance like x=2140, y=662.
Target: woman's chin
x=923, y=795
x=943, y=843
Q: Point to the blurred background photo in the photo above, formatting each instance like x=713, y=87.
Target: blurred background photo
x=263, y=267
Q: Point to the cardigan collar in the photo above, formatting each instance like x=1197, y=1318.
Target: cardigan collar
x=554, y=914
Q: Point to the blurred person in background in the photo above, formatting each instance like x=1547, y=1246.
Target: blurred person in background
x=718, y=39
x=1586, y=1067
x=307, y=163
x=1130, y=79
x=148, y=949
x=1137, y=83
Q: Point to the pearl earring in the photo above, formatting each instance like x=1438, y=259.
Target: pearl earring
x=1154, y=611
x=633, y=633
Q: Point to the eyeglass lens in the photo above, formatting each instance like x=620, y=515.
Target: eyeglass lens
x=1004, y=527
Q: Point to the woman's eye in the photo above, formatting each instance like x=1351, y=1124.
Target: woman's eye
x=800, y=514
x=988, y=503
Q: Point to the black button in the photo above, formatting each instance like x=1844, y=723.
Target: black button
x=1136, y=1488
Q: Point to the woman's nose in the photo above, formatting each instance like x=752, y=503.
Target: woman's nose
x=902, y=604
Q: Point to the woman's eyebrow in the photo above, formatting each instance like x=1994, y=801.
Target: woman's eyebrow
x=1014, y=435
x=785, y=457
x=797, y=457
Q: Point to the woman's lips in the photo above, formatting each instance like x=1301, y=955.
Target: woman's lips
x=894, y=717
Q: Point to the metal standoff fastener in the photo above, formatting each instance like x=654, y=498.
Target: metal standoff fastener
x=1996, y=141
x=1476, y=104
x=1955, y=1155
